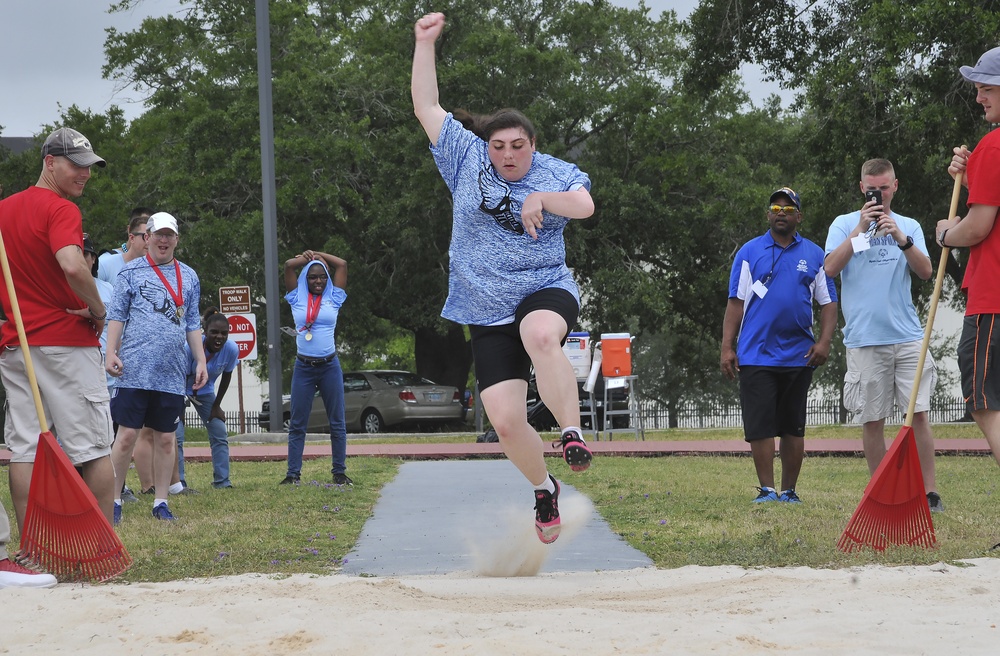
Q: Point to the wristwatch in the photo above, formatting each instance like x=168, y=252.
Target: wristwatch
x=908, y=244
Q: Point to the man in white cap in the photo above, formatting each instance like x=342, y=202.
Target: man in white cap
x=62, y=314
x=157, y=298
x=978, y=347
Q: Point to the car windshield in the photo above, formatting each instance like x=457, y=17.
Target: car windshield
x=401, y=378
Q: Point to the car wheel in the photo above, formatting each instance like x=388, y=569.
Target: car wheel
x=286, y=421
x=371, y=422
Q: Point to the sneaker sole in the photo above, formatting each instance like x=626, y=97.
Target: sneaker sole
x=548, y=534
x=577, y=456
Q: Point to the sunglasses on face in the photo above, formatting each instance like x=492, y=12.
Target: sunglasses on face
x=787, y=210
x=141, y=235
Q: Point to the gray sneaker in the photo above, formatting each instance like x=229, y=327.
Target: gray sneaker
x=935, y=503
x=128, y=496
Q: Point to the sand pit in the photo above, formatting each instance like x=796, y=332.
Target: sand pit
x=942, y=609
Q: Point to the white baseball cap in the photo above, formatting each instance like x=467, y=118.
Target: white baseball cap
x=161, y=220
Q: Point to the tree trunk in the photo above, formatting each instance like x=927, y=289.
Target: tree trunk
x=445, y=359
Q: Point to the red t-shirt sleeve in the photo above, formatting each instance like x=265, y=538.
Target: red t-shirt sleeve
x=984, y=172
x=65, y=227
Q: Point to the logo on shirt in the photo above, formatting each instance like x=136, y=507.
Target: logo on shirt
x=157, y=297
x=802, y=266
x=497, y=201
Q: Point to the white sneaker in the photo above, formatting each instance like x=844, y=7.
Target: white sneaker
x=13, y=575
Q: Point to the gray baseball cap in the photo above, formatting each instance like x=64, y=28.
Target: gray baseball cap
x=986, y=70
x=68, y=143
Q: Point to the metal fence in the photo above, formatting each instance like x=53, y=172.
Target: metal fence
x=657, y=416
x=819, y=412
x=233, y=423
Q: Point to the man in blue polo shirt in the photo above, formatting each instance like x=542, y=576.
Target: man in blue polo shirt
x=767, y=339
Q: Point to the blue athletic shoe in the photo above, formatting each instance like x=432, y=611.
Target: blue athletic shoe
x=118, y=514
x=766, y=494
x=162, y=512
x=789, y=496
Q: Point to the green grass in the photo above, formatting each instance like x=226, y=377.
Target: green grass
x=698, y=511
x=678, y=510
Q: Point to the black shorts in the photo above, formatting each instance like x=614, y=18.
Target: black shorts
x=498, y=352
x=977, y=361
x=774, y=401
x=135, y=408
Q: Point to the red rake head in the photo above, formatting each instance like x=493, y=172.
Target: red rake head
x=893, y=508
x=65, y=531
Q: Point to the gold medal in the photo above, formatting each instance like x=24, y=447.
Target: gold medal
x=309, y=337
x=180, y=311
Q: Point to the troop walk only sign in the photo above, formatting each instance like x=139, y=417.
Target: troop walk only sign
x=234, y=300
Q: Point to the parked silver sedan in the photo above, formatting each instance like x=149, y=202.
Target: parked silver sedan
x=379, y=399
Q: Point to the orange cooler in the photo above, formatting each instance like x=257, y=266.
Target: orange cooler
x=616, y=349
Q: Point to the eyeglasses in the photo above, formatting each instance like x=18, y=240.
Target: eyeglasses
x=143, y=235
x=317, y=278
x=787, y=210
x=167, y=236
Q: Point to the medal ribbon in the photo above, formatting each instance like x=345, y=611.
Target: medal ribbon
x=179, y=295
x=312, y=311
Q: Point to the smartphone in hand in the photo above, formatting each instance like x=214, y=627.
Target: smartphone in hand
x=874, y=195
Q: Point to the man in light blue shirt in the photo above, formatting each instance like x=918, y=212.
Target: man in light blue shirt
x=875, y=251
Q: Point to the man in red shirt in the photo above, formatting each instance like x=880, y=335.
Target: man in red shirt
x=63, y=315
x=980, y=343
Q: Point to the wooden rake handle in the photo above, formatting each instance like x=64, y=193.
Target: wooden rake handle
x=21, y=337
x=938, y=283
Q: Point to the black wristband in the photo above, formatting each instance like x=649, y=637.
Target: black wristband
x=908, y=244
x=96, y=317
x=941, y=241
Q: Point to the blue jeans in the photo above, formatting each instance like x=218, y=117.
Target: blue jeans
x=328, y=378
x=218, y=440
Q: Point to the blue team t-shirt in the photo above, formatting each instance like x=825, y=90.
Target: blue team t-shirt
x=222, y=362
x=152, y=351
x=875, y=286
x=493, y=263
x=324, y=328
x=777, y=329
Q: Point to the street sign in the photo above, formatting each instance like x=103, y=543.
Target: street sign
x=234, y=300
x=243, y=331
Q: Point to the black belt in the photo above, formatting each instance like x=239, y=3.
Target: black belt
x=315, y=362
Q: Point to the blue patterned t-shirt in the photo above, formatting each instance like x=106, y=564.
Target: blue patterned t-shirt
x=152, y=350
x=494, y=263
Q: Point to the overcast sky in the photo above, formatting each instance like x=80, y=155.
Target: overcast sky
x=53, y=50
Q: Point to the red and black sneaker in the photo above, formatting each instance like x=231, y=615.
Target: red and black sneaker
x=575, y=451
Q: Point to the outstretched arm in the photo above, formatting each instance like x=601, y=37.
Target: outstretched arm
x=423, y=82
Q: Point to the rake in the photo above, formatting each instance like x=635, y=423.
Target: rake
x=65, y=531
x=893, y=509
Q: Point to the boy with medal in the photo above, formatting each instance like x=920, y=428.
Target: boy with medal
x=156, y=297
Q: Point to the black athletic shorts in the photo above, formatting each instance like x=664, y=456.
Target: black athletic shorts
x=774, y=401
x=977, y=361
x=498, y=352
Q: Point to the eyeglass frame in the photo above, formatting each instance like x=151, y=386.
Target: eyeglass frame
x=787, y=210
x=167, y=236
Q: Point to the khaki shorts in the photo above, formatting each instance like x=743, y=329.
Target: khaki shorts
x=74, y=396
x=879, y=378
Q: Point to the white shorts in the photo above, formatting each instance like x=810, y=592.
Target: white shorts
x=74, y=396
x=881, y=377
